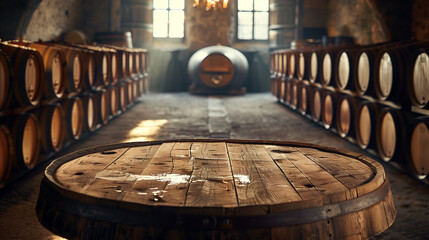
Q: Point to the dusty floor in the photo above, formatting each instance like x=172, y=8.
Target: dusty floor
x=172, y=116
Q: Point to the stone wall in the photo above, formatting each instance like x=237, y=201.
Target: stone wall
x=209, y=28
x=420, y=20
x=52, y=18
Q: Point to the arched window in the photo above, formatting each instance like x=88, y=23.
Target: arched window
x=253, y=19
x=168, y=18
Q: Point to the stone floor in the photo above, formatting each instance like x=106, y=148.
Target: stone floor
x=172, y=116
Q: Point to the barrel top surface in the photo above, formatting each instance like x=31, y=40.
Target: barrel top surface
x=216, y=174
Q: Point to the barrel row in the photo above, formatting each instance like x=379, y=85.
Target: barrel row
x=33, y=72
x=391, y=133
x=29, y=138
x=395, y=71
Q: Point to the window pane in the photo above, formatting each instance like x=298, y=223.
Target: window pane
x=177, y=4
x=245, y=5
x=261, y=5
x=245, y=18
x=261, y=32
x=177, y=18
x=244, y=32
x=261, y=18
x=160, y=4
x=160, y=23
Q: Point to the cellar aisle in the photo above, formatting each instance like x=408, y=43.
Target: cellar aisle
x=181, y=115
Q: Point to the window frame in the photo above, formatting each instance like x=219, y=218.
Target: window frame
x=253, y=40
x=170, y=39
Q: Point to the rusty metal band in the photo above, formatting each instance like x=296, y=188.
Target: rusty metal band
x=50, y=199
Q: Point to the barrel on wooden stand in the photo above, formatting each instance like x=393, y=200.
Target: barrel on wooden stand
x=316, y=104
x=329, y=109
x=178, y=192
x=102, y=103
x=346, y=111
x=218, y=69
x=90, y=112
x=303, y=95
x=391, y=134
x=418, y=77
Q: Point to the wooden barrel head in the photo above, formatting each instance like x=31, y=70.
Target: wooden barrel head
x=327, y=69
x=123, y=97
x=114, y=101
x=91, y=71
x=328, y=111
x=130, y=63
x=294, y=99
x=105, y=69
x=29, y=142
x=58, y=80
x=284, y=64
x=364, y=127
x=130, y=92
x=419, y=149
x=385, y=73
x=343, y=70
x=77, y=71
x=317, y=106
x=345, y=117
x=216, y=70
x=420, y=86
x=363, y=72
x=292, y=64
x=114, y=69
x=124, y=64
x=303, y=100
x=32, y=78
x=104, y=107
x=4, y=81
x=312, y=75
x=224, y=188
x=90, y=117
x=301, y=65
x=387, y=136
x=56, y=127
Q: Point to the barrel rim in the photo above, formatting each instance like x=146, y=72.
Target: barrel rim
x=378, y=177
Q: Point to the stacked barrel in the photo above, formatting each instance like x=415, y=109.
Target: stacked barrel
x=53, y=94
x=376, y=96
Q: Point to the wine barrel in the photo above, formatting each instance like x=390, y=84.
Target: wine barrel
x=218, y=67
x=102, y=104
x=303, y=64
x=6, y=154
x=140, y=85
x=28, y=74
x=6, y=84
x=316, y=59
x=316, y=104
x=288, y=92
x=343, y=68
x=52, y=127
x=329, y=111
x=26, y=140
x=366, y=123
x=294, y=93
x=282, y=90
x=346, y=111
x=363, y=71
x=90, y=112
x=292, y=58
x=74, y=116
x=327, y=66
x=90, y=70
x=303, y=95
x=418, y=83
x=120, y=39
x=113, y=93
x=391, y=133
x=54, y=84
x=178, y=192
x=418, y=143
x=123, y=96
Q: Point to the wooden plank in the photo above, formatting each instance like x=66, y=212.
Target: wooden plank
x=299, y=180
x=349, y=171
x=152, y=191
x=116, y=180
x=211, y=183
x=249, y=186
x=77, y=174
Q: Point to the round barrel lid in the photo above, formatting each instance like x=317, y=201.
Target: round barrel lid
x=215, y=184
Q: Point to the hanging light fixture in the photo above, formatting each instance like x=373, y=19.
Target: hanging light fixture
x=211, y=4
